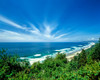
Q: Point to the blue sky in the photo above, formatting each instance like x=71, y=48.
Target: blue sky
x=49, y=20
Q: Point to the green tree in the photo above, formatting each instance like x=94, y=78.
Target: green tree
x=82, y=58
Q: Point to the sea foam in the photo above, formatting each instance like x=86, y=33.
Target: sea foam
x=37, y=55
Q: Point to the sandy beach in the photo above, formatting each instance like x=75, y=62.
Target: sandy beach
x=69, y=57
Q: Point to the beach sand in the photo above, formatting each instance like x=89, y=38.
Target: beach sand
x=70, y=57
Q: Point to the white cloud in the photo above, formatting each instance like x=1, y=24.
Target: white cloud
x=47, y=35
x=3, y=19
x=48, y=30
x=7, y=36
x=11, y=36
x=93, y=39
x=60, y=36
x=34, y=30
x=9, y=32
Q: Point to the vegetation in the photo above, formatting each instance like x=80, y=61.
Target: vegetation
x=84, y=66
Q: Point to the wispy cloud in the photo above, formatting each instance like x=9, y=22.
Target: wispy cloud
x=48, y=30
x=6, y=36
x=11, y=36
x=34, y=30
x=47, y=35
x=60, y=36
x=3, y=19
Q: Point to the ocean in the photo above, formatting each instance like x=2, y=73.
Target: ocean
x=39, y=49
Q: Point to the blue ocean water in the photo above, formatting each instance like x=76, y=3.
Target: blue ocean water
x=30, y=49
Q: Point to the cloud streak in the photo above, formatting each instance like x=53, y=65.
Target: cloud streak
x=46, y=35
x=5, y=20
x=60, y=36
x=34, y=30
x=11, y=36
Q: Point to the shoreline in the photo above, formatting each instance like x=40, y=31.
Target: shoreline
x=69, y=56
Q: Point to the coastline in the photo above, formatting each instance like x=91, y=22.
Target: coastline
x=69, y=55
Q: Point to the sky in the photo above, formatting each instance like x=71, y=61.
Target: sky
x=49, y=20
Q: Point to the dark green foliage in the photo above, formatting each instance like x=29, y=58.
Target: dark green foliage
x=96, y=53
x=84, y=66
x=61, y=57
x=9, y=65
x=73, y=65
x=82, y=58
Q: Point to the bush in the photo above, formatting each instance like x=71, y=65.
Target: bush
x=9, y=65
